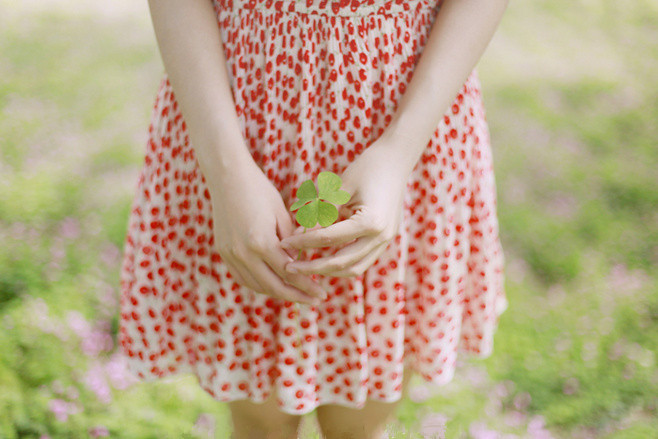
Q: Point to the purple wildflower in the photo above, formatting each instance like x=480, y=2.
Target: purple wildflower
x=537, y=429
x=96, y=342
x=70, y=228
x=522, y=400
x=99, y=431
x=62, y=409
x=117, y=371
x=95, y=381
x=419, y=393
x=110, y=254
x=78, y=324
x=434, y=426
x=478, y=430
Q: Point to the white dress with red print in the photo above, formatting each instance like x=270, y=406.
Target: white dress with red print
x=315, y=82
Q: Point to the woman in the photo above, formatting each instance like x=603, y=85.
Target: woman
x=267, y=95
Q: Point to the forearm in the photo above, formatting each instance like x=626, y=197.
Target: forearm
x=193, y=56
x=460, y=33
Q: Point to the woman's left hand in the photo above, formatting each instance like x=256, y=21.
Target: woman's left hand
x=377, y=182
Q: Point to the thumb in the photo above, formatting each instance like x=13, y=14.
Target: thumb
x=284, y=225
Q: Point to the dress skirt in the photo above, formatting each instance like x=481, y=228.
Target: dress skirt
x=315, y=82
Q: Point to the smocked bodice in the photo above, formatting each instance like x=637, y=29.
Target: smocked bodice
x=329, y=8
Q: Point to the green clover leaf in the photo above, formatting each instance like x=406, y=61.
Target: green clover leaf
x=319, y=206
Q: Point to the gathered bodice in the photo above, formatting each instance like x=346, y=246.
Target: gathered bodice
x=330, y=7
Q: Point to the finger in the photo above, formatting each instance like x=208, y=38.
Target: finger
x=303, y=230
x=284, y=224
x=238, y=269
x=343, y=258
x=345, y=211
x=360, y=267
x=336, y=234
x=306, y=284
x=275, y=285
x=278, y=260
x=284, y=228
x=237, y=276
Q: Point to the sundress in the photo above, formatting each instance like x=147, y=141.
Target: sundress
x=315, y=82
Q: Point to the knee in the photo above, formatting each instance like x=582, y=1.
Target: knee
x=358, y=431
x=264, y=430
x=343, y=423
x=262, y=421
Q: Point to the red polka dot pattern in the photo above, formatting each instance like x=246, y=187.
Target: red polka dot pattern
x=315, y=82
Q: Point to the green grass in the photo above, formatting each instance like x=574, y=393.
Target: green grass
x=570, y=94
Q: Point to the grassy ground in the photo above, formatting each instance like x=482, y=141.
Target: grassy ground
x=571, y=99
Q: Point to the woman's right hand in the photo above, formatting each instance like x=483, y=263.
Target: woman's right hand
x=247, y=213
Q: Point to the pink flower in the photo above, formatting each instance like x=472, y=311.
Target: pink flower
x=117, y=371
x=434, y=426
x=501, y=390
x=96, y=342
x=522, y=400
x=95, y=381
x=419, y=393
x=478, y=430
x=108, y=300
x=70, y=228
x=514, y=418
x=62, y=409
x=110, y=254
x=99, y=431
x=78, y=323
x=205, y=425
x=537, y=430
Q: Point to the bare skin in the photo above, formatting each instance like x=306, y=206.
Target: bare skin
x=370, y=422
x=265, y=421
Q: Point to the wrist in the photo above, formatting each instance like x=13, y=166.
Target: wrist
x=402, y=149
x=223, y=164
x=415, y=139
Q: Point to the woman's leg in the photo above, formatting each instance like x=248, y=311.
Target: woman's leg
x=339, y=422
x=262, y=421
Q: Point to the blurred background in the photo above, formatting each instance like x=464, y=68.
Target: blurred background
x=571, y=97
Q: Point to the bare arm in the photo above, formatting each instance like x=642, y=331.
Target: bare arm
x=191, y=49
x=250, y=221
x=460, y=34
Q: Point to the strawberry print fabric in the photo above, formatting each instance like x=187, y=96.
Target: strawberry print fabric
x=314, y=84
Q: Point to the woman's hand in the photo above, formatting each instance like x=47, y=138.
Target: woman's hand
x=377, y=183
x=249, y=218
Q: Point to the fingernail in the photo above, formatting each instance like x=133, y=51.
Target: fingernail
x=292, y=269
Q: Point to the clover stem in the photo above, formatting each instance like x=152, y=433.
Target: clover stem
x=299, y=255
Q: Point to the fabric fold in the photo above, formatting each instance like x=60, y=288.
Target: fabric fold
x=314, y=84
